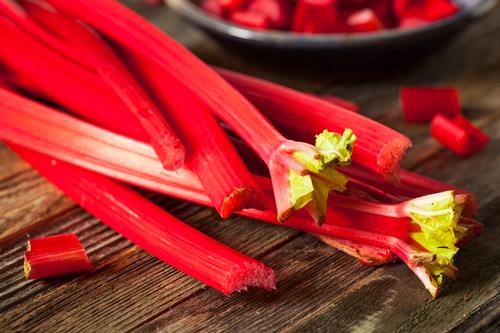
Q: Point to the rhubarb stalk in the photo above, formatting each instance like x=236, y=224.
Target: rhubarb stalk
x=378, y=148
x=153, y=229
x=95, y=53
x=289, y=162
x=210, y=153
x=55, y=255
x=85, y=145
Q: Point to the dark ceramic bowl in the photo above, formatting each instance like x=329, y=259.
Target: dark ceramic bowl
x=361, y=48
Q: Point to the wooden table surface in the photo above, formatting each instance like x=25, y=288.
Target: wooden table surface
x=319, y=288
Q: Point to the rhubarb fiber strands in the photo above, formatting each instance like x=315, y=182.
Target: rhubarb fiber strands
x=153, y=229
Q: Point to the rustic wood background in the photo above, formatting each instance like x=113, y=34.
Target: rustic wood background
x=319, y=288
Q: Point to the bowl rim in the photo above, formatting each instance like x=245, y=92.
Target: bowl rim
x=287, y=39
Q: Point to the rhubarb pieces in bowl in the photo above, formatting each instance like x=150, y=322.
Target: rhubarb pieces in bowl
x=343, y=32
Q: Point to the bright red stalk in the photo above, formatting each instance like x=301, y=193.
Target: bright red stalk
x=138, y=35
x=210, y=152
x=378, y=148
x=153, y=229
x=86, y=47
x=85, y=145
x=55, y=255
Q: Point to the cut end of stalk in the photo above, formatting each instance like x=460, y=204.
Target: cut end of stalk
x=171, y=153
x=242, y=198
x=390, y=157
x=250, y=274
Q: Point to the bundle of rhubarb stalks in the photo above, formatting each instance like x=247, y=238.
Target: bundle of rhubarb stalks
x=95, y=98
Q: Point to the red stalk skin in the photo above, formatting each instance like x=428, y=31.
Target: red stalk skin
x=248, y=19
x=101, y=151
x=51, y=76
x=213, y=7
x=278, y=12
x=211, y=154
x=153, y=229
x=223, y=174
x=428, y=10
x=132, y=32
x=412, y=185
x=137, y=34
x=378, y=148
x=80, y=146
x=228, y=196
x=348, y=105
x=55, y=255
x=422, y=104
x=364, y=20
x=231, y=5
x=88, y=46
x=315, y=16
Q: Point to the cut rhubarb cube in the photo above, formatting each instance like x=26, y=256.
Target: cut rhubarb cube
x=422, y=104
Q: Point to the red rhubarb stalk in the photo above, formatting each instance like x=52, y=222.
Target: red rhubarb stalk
x=55, y=255
x=94, y=52
x=291, y=163
x=153, y=229
x=425, y=250
x=211, y=154
x=378, y=148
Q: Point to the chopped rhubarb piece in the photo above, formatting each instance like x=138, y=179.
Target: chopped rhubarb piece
x=315, y=16
x=411, y=23
x=364, y=21
x=213, y=7
x=278, y=12
x=458, y=134
x=254, y=20
x=153, y=229
x=231, y=5
x=421, y=104
x=428, y=10
x=55, y=255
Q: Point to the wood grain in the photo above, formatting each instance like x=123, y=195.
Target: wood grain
x=319, y=289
